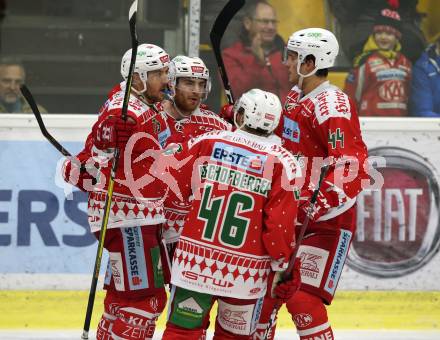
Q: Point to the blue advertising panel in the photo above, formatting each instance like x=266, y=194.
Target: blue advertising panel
x=43, y=221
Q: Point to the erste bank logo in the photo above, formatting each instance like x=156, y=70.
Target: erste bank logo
x=239, y=157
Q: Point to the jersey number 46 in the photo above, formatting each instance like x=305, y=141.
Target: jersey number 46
x=233, y=227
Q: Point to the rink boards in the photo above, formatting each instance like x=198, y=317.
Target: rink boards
x=45, y=242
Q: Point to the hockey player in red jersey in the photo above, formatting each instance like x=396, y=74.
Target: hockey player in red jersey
x=190, y=84
x=240, y=228
x=320, y=122
x=134, y=281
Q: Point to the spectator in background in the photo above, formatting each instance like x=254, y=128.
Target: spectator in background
x=425, y=86
x=356, y=20
x=255, y=60
x=12, y=76
x=380, y=80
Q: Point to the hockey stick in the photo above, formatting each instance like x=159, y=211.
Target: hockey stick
x=216, y=35
x=103, y=231
x=31, y=101
x=287, y=275
x=289, y=270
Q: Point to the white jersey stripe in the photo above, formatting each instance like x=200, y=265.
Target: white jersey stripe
x=313, y=330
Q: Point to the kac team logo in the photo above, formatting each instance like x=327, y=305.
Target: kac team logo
x=398, y=227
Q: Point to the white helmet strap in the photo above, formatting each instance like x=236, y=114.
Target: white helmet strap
x=144, y=88
x=302, y=76
x=144, y=84
x=300, y=82
x=298, y=67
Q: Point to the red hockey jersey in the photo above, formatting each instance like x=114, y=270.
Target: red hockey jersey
x=323, y=125
x=242, y=217
x=180, y=131
x=138, y=194
x=381, y=86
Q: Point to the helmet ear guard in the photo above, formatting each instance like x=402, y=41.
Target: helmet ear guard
x=261, y=110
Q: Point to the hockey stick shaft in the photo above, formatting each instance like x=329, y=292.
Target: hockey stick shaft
x=288, y=272
x=134, y=47
x=216, y=35
x=31, y=101
x=108, y=199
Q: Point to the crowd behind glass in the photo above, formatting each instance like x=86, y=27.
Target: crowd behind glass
x=394, y=69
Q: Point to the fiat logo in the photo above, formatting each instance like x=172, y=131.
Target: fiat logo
x=398, y=225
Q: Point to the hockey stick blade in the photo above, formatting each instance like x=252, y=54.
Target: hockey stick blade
x=216, y=35
x=31, y=101
x=132, y=21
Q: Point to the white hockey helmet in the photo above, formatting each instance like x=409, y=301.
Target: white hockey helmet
x=149, y=58
x=261, y=110
x=188, y=67
x=319, y=42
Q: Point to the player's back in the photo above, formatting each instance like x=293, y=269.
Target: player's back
x=233, y=183
x=239, y=201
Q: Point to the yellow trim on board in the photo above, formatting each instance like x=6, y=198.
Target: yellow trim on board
x=350, y=310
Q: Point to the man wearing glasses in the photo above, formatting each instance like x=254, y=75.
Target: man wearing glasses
x=255, y=60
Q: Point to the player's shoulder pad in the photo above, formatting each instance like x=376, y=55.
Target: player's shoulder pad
x=135, y=106
x=153, y=111
x=208, y=117
x=331, y=103
x=204, y=112
x=117, y=88
x=290, y=162
x=215, y=134
x=292, y=98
